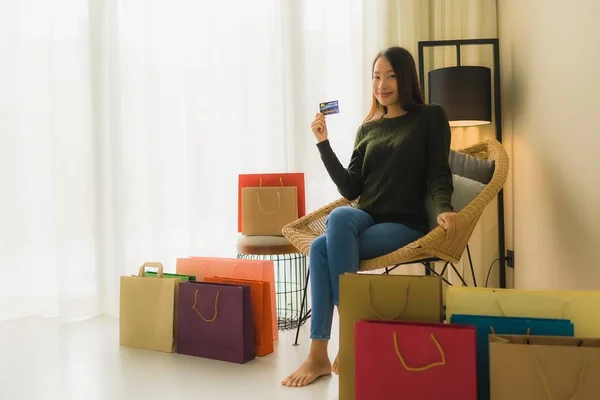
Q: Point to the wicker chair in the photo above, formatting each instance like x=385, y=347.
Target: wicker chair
x=432, y=247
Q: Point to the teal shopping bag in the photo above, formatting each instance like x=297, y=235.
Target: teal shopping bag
x=486, y=325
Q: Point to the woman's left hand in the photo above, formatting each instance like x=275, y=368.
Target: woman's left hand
x=450, y=221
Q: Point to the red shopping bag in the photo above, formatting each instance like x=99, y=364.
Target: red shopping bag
x=411, y=360
x=285, y=179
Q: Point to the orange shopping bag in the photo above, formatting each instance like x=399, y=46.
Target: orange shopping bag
x=254, y=270
x=260, y=301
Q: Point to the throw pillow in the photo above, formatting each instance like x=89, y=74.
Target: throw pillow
x=471, y=167
x=465, y=191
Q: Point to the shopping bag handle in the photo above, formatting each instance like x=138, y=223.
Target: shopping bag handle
x=280, y=181
x=395, y=316
x=527, y=333
x=159, y=273
x=440, y=363
x=538, y=366
x=200, y=314
x=271, y=212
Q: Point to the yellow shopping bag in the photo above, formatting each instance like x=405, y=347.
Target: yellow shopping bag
x=581, y=307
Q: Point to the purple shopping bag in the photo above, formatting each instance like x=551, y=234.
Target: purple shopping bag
x=215, y=321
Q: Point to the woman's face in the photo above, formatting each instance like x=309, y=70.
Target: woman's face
x=385, y=86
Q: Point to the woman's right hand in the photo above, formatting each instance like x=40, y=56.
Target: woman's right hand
x=319, y=127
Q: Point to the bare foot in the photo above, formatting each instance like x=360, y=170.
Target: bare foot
x=308, y=372
x=335, y=367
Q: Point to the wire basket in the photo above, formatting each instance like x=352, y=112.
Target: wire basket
x=290, y=281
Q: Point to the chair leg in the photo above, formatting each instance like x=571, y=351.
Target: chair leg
x=472, y=269
x=302, y=318
x=390, y=269
x=433, y=271
x=459, y=275
x=444, y=269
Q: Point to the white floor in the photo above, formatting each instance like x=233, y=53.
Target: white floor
x=47, y=359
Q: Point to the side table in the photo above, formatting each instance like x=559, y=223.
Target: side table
x=291, y=276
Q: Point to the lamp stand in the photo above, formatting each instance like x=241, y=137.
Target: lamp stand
x=497, y=117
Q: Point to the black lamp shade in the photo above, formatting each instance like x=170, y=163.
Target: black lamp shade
x=464, y=92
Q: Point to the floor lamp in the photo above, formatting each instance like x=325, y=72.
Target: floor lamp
x=465, y=93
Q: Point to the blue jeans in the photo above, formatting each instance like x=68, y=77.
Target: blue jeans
x=351, y=236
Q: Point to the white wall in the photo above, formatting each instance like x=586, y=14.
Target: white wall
x=550, y=56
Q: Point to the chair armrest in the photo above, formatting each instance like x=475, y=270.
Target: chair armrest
x=303, y=231
x=451, y=249
x=435, y=244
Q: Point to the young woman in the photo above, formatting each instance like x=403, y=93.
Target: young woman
x=400, y=155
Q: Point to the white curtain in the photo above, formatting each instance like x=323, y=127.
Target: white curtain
x=124, y=125
x=49, y=196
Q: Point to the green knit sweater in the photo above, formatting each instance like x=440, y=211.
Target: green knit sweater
x=395, y=163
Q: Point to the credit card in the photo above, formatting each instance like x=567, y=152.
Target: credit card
x=330, y=107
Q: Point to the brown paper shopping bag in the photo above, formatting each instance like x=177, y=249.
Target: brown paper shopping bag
x=544, y=368
x=266, y=210
x=147, y=317
x=382, y=297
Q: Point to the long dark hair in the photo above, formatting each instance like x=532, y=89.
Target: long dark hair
x=409, y=92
